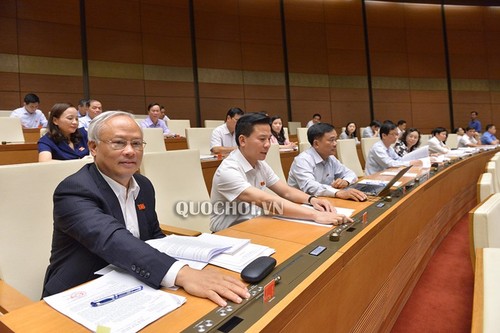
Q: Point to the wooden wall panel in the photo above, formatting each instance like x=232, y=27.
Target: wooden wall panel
x=65, y=12
x=8, y=42
x=169, y=89
x=9, y=82
x=302, y=110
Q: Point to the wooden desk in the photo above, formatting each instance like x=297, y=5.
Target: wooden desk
x=361, y=288
x=478, y=307
x=31, y=134
x=15, y=153
x=176, y=143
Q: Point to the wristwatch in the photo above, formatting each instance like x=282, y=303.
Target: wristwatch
x=310, y=198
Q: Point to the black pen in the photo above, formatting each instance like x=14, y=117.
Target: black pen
x=111, y=298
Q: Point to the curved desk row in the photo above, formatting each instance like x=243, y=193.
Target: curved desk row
x=361, y=287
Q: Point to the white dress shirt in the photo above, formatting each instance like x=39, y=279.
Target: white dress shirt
x=221, y=137
x=312, y=174
x=380, y=158
x=233, y=176
x=30, y=120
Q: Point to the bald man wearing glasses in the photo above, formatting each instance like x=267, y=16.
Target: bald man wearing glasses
x=104, y=213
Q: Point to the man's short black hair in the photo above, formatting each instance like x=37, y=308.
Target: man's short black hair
x=31, y=98
x=489, y=126
x=246, y=123
x=317, y=131
x=234, y=111
x=375, y=123
x=386, y=128
x=317, y=115
x=401, y=122
x=438, y=130
x=84, y=102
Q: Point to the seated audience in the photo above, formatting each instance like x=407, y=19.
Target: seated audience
x=401, y=127
x=372, y=130
x=382, y=156
x=437, y=142
x=153, y=120
x=459, y=131
x=104, y=213
x=469, y=139
x=410, y=141
x=29, y=114
x=278, y=134
x=63, y=140
x=163, y=113
x=350, y=132
x=488, y=137
x=240, y=180
x=83, y=107
x=223, y=137
x=316, y=171
x=315, y=120
x=95, y=109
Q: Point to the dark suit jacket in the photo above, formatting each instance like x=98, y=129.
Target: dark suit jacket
x=89, y=233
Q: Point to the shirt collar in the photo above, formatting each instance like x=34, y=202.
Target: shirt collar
x=118, y=188
x=316, y=157
x=243, y=161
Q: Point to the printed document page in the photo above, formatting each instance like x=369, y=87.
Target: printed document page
x=121, y=302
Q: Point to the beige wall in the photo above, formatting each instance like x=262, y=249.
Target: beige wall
x=140, y=51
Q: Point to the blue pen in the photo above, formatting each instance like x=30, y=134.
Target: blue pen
x=114, y=297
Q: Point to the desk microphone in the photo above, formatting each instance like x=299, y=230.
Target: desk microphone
x=6, y=142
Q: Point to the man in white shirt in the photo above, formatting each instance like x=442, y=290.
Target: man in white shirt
x=29, y=114
x=316, y=170
x=468, y=139
x=223, y=139
x=95, y=109
x=401, y=127
x=382, y=155
x=372, y=130
x=239, y=183
x=316, y=119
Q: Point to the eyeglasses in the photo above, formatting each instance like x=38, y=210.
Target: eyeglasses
x=121, y=144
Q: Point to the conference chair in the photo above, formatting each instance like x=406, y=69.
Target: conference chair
x=304, y=146
x=491, y=167
x=302, y=134
x=199, y=138
x=27, y=222
x=274, y=160
x=452, y=140
x=5, y=113
x=213, y=123
x=484, y=187
x=285, y=130
x=347, y=154
x=180, y=187
x=366, y=145
x=424, y=139
x=485, y=225
x=155, y=142
x=292, y=127
x=11, y=130
x=178, y=126
x=140, y=117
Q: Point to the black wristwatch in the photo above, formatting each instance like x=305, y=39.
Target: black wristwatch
x=310, y=198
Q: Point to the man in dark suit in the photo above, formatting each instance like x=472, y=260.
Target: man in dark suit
x=105, y=212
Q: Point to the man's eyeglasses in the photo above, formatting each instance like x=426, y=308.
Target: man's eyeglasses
x=121, y=144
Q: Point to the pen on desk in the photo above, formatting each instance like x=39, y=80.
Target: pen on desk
x=111, y=298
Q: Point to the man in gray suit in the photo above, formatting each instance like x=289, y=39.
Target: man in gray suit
x=104, y=213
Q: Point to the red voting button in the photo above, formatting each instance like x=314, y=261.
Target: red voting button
x=269, y=291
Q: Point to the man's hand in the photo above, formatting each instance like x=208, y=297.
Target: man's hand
x=211, y=284
x=340, y=183
x=331, y=218
x=352, y=194
x=322, y=205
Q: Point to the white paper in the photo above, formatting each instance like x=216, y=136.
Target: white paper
x=186, y=247
x=342, y=211
x=127, y=314
x=207, y=157
x=422, y=152
x=240, y=259
x=218, y=240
